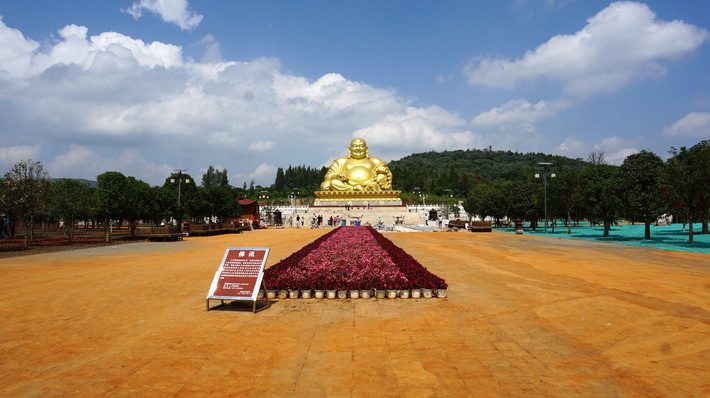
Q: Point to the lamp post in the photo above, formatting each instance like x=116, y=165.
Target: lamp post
x=179, y=182
x=292, y=197
x=267, y=211
x=423, y=196
x=546, y=169
x=448, y=194
x=416, y=195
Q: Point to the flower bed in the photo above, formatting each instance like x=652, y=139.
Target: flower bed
x=351, y=258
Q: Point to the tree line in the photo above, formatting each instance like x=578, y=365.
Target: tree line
x=492, y=184
x=642, y=189
x=27, y=194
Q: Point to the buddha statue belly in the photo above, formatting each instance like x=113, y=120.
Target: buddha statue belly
x=357, y=172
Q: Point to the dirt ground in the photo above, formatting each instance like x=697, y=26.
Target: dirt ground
x=525, y=316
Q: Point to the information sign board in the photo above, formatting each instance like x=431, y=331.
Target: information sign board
x=240, y=274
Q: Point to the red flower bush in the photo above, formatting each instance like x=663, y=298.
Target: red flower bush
x=350, y=258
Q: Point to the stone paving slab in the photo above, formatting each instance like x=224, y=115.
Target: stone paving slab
x=525, y=316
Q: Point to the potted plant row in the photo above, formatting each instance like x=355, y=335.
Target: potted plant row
x=352, y=262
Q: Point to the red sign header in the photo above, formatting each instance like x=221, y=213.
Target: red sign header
x=240, y=274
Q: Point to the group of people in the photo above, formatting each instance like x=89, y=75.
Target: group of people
x=316, y=221
x=7, y=228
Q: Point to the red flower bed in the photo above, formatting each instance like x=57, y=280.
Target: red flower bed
x=350, y=258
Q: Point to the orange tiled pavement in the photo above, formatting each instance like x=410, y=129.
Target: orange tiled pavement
x=526, y=316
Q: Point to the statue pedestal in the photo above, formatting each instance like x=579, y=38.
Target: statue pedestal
x=366, y=198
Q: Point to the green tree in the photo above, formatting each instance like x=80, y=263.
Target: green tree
x=700, y=159
x=524, y=199
x=215, y=178
x=25, y=195
x=223, y=203
x=68, y=201
x=191, y=203
x=280, y=181
x=687, y=183
x=565, y=191
x=111, y=198
x=639, y=179
x=139, y=198
x=600, y=194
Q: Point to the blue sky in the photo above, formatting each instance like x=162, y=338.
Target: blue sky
x=145, y=86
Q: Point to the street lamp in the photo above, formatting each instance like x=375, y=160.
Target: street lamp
x=179, y=181
x=267, y=211
x=416, y=195
x=448, y=194
x=546, y=166
x=293, y=197
x=423, y=197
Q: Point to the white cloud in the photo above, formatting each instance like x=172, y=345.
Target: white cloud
x=518, y=111
x=10, y=155
x=15, y=52
x=621, y=43
x=693, y=125
x=260, y=145
x=419, y=128
x=616, y=148
x=263, y=175
x=171, y=11
x=83, y=162
x=572, y=147
x=102, y=53
x=617, y=157
x=111, y=102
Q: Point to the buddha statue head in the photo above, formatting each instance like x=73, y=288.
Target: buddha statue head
x=358, y=149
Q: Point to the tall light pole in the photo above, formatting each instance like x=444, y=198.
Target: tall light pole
x=546, y=166
x=179, y=181
x=267, y=210
x=293, y=197
x=447, y=192
x=416, y=195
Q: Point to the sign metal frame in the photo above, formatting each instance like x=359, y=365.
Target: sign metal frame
x=239, y=271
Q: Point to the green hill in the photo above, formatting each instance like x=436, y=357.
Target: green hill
x=457, y=170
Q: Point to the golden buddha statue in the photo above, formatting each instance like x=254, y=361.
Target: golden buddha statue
x=358, y=172
x=358, y=180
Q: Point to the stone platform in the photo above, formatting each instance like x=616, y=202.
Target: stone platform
x=365, y=198
x=390, y=215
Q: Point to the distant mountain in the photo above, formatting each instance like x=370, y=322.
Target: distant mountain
x=457, y=170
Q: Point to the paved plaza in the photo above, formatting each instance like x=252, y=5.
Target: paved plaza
x=525, y=316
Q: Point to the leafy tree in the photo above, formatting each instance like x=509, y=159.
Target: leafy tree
x=600, y=194
x=139, y=199
x=639, y=180
x=565, y=191
x=26, y=193
x=192, y=204
x=280, y=181
x=215, y=178
x=69, y=202
x=488, y=200
x=473, y=205
x=524, y=200
x=223, y=203
x=700, y=158
x=687, y=183
x=111, y=198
